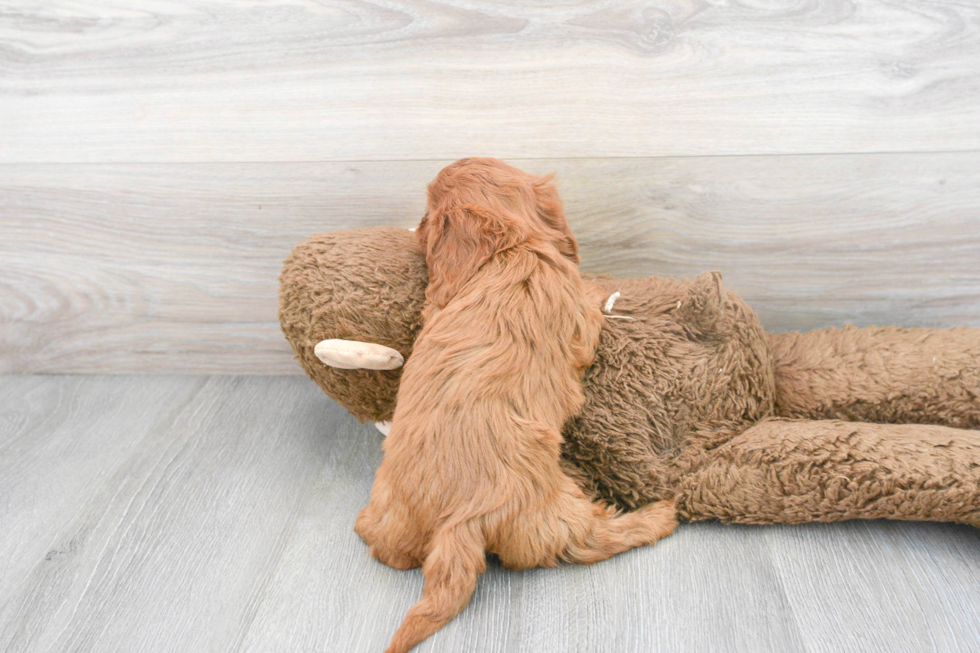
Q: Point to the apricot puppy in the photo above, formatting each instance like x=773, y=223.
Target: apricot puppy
x=471, y=464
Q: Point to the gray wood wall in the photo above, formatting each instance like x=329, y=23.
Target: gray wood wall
x=158, y=160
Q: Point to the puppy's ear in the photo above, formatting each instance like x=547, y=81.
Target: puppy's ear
x=551, y=212
x=457, y=241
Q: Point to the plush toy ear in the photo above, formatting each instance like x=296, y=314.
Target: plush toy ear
x=457, y=241
x=704, y=307
x=552, y=213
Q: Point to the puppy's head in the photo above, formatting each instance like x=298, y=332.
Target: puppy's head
x=480, y=207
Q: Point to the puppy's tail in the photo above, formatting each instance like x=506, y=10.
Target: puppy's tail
x=458, y=556
x=610, y=534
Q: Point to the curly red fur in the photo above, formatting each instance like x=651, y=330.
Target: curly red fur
x=472, y=461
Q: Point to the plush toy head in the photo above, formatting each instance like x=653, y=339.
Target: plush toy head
x=362, y=285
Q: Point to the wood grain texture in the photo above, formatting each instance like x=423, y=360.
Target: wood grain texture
x=808, y=241
x=173, y=267
x=294, y=80
x=170, y=550
x=228, y=527
x=54, y=453
x=917, y=584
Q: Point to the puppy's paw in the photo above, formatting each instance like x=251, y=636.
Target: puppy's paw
x=395, y=559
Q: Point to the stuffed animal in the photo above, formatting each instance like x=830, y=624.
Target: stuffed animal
x=688, y=398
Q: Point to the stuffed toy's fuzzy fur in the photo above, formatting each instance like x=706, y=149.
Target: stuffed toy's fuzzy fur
x=689, y=398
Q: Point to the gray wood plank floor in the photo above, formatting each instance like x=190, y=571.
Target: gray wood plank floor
x=147, y=514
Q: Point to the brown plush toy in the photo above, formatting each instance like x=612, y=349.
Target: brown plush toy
x=688, y=398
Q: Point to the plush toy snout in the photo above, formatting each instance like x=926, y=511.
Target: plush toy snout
x=350, y=304
x=354, y=355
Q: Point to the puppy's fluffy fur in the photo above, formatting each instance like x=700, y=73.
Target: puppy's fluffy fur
x=471, y=464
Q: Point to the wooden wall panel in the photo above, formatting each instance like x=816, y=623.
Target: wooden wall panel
x=173, y=267
x=295, y=80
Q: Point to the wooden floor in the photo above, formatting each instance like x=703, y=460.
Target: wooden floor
x=215, y=514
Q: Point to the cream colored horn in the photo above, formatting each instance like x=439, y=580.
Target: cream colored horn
x=354, y=355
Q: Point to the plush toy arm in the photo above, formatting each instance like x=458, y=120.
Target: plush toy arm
x=794, y=471
x=879, y=374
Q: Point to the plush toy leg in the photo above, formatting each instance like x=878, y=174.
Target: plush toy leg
x=879, y=374
x=796, y=471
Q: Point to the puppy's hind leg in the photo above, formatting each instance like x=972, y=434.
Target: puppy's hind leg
x=389, y=532
x=457, y=558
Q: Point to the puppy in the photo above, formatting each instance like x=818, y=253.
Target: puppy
x=471, y=464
